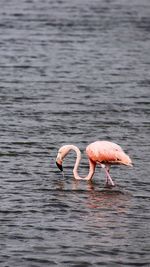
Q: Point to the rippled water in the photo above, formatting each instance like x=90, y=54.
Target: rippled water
x=73, y=72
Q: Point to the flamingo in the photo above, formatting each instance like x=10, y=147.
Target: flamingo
x=104, y=153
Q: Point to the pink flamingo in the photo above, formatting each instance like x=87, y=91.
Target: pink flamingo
x=104, y=153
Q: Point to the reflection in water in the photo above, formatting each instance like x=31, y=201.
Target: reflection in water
x=108, y=198
x=108, y=210
x=105, y=198
x=77, y=183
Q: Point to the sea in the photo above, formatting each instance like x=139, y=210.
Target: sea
x=74, y=72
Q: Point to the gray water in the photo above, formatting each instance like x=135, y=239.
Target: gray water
x=73, y=71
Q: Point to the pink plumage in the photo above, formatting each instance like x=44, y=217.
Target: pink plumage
x=104, y=153
x=107, y=152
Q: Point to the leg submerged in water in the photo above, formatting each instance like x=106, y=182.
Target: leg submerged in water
x=109, y=180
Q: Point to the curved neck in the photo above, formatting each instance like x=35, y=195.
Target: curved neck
x=78, y=159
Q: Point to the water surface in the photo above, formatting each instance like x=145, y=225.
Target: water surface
x=73, y=72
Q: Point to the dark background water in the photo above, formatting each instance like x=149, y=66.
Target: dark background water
x=73, y=72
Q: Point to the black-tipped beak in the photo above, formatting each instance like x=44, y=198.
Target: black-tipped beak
x=59, y=166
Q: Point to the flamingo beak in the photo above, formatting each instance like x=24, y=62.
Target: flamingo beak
x=59, y=163
x=59, y=166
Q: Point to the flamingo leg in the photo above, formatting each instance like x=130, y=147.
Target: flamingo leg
x=107, y=174
x=108, y=177
x=109, y=180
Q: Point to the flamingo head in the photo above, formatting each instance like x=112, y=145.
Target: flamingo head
x=62, y=152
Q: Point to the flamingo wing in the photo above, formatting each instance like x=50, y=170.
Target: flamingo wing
x=104, y=151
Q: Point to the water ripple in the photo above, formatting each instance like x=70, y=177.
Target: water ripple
x=73, y=72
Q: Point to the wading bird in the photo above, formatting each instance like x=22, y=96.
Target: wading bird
x=104, y=153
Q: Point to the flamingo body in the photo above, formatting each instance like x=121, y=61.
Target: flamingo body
x=107, y=152
x=104, y=153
